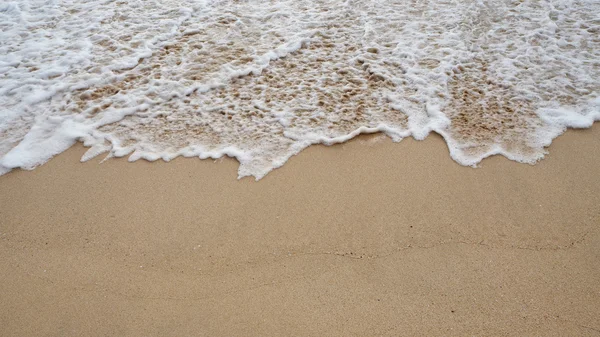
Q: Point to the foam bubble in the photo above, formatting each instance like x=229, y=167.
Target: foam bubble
x=260, y=81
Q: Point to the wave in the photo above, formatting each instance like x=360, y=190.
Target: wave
x=262, y=80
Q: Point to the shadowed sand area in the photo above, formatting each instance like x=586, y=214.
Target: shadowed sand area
x=363, y=238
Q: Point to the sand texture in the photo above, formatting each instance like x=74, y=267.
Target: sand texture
x=365, y=238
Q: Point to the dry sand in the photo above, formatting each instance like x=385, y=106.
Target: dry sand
x=365, y=238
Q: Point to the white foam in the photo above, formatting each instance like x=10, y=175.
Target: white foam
x=43, y=141
x=260, y=81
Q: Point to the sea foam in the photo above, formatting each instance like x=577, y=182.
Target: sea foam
x=262, y=80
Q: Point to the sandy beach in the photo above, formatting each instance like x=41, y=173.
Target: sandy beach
x=356, y=236
x=364, y=238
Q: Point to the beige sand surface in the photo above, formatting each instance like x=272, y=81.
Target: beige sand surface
x=361, y=239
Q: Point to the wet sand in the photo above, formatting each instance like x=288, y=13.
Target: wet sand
x=359, y=239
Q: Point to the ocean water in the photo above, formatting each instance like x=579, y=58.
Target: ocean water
x=262, y=80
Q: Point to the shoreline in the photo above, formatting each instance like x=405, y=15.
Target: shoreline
x=367, y=237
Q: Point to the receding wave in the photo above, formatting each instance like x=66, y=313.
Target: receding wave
x=262, y=80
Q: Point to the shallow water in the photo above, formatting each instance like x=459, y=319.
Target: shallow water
x=262, y=80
